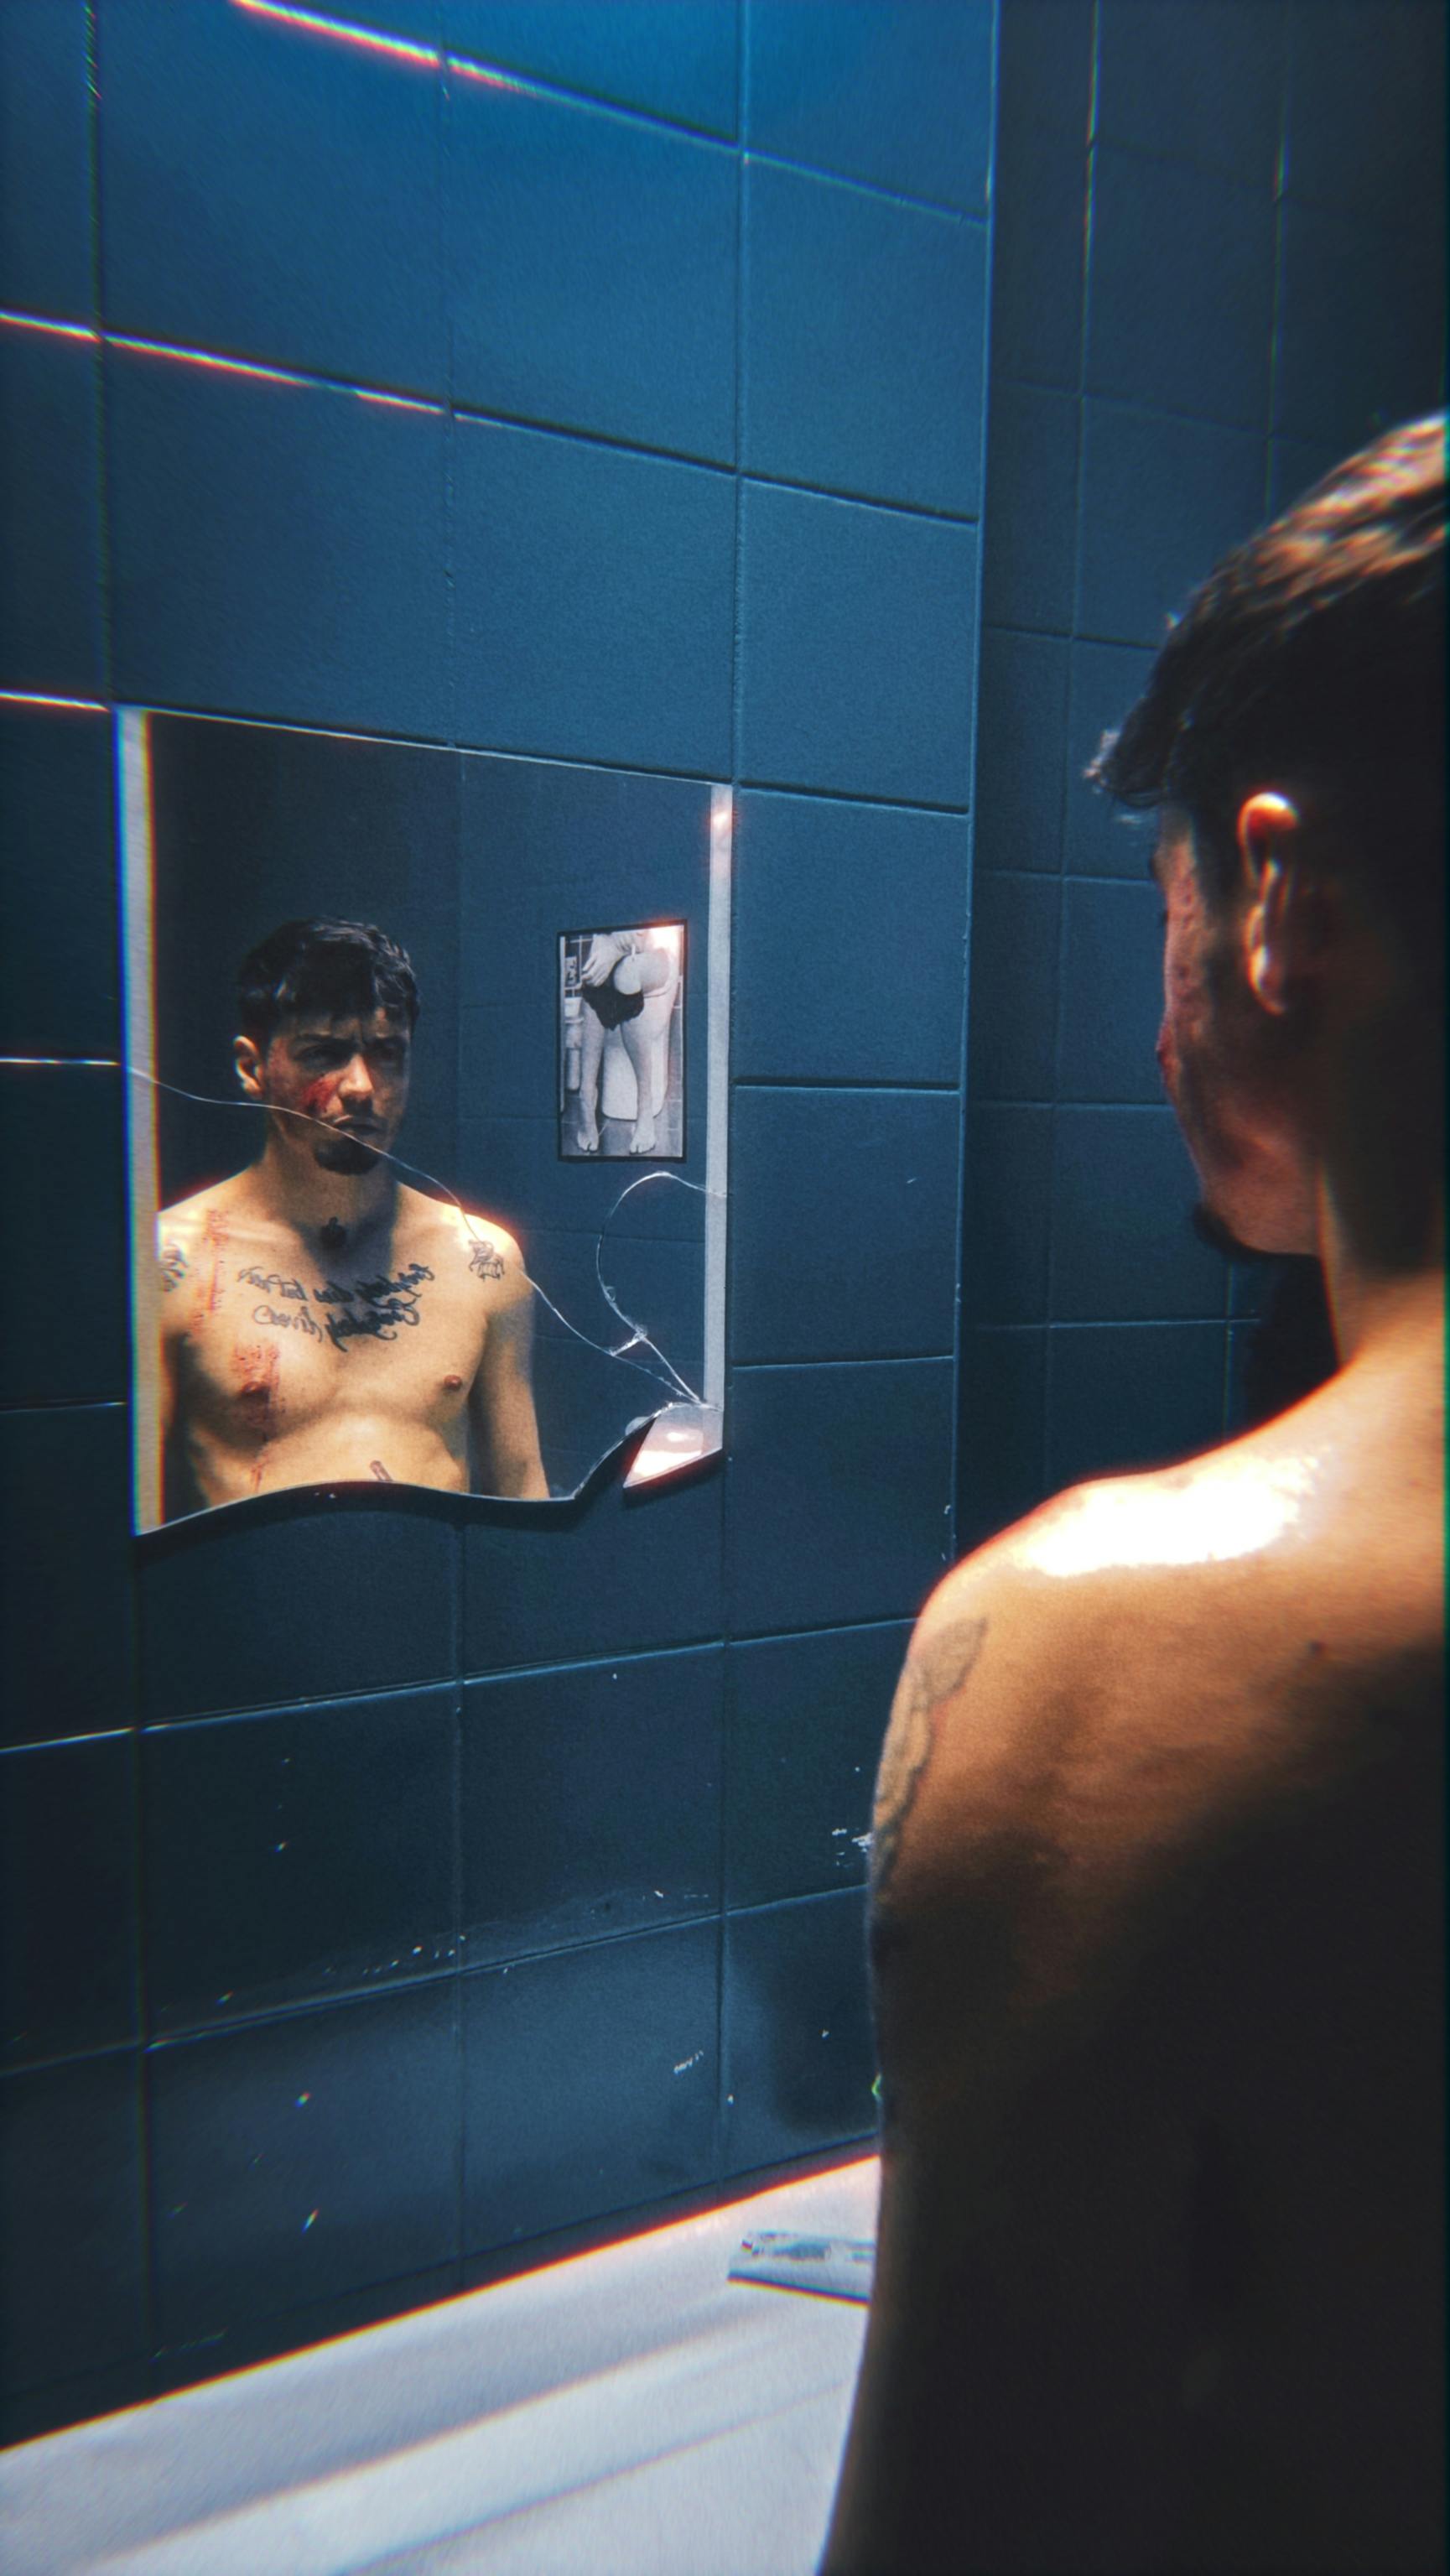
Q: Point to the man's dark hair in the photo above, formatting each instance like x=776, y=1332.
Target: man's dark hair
x=1314, y=656
x=336, y=967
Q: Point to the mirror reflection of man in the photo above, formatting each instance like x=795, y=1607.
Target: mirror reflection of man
x=320, y=1320
x=1158, y=1856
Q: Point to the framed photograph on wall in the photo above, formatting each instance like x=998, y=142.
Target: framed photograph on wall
x=622, y=1052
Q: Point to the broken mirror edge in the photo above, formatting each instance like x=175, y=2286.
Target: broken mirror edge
x=674, y=1445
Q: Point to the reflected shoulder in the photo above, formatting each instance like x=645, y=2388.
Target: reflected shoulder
x=487, y=1248
x=187, y=1217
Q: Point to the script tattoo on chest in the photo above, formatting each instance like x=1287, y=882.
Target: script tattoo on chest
x=377, y=1309
x=485, y=1263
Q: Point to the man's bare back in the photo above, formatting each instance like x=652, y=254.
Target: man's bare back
x=1158, y=1865
x=399, y=1354
x=1158, y=1943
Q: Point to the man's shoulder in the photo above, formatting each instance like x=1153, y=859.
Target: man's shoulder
x=1148, y=1654
x=189, y=1217
x=482, y=1244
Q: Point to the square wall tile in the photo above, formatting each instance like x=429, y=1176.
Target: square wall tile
x=72, y=2277
x=839, y=1492
x=261, y=2201
x=617, y=571
x=1112, y=993
x=591, y=270
x=677, y=63
x=68, y=1934
x=59, y=962
x=45, y=160
x=863, y=342
x=1045, y=66
x=1125, y=1396
x=291, y=1858
x=1203, y=80
x=65, y=1572
x=231, y=152
x=1027, y=570
x=1021, y=722
x=857, y=648
x=240, y=1610
x=590, y=837
x=817, y=1179
x=1005, y=1220
x=591, y=1802
x=1162, y=499
x=1012, y=1014
x=806, y=1716
x=279, y=549
x=1181, y=309
x=623, y=1572
x=809, y=879
x=1362, y=326
x=589, y=2082
x=1099, y=839
x=1000, y=1469
x=1037, y=257
x=512, y=1167
x=1366, y=125
x=897, y=92
x=67, y=1120
x=50, y=607
x=1123, y=1189
x=800, y=2058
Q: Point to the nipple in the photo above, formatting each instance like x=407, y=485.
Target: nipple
x=453, y=1384
x=333, y=1235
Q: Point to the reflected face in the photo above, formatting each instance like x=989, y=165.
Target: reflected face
x=1220, y=1065
x=350, y=1072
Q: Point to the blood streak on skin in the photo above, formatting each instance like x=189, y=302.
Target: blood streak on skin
x=214, y=1232
x=259, y=1396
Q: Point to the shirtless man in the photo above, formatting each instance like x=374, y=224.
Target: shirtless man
x=320, y=1320
x=1157, y=1868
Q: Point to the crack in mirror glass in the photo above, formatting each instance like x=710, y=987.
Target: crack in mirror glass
x=523, y=967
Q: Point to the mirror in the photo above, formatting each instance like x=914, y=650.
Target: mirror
x=429, y=1069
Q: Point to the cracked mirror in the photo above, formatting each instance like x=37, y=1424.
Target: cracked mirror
x=428, y=1057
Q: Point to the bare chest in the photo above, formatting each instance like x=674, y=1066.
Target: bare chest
x=269, y=1349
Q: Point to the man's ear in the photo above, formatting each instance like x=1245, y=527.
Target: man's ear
x=247, y=1057
x=1285, y=923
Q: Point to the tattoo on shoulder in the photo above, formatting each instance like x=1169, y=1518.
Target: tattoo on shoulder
x=932, y=1673
x=174, y=1267
x=484, y=1262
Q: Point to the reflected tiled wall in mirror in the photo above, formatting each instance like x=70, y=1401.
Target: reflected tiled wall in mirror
x=423, y=1189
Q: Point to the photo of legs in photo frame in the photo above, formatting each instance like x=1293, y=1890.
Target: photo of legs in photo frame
x=621, y=1043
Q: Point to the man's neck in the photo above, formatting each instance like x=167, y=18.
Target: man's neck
x=1383, y=1314
x=331, y=1211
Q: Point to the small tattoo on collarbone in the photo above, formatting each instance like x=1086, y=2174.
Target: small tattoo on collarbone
x=484, y=1262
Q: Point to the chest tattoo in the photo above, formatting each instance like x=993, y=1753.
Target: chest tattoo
x=376, y=1309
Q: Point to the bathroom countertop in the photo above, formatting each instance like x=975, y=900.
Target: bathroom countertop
x=629, y=2413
